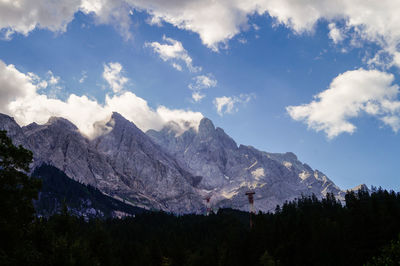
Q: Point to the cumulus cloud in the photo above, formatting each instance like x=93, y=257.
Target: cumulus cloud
x=228, y=105
x=113, y=75
x=23, y=16
x=199, y=83
x=20, y=98
x=216, y=22
x=173, y=51
x=114, y=12
x=350, y=95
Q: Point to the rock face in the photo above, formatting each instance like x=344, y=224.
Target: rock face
x=123, y=163
x=228, y=171
x=168, y=169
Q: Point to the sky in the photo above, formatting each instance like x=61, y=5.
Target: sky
x=319, y=78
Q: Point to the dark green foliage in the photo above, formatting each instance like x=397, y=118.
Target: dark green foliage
x=390, y=255
x=17, y=190
x=307, y=231
x=57, y=188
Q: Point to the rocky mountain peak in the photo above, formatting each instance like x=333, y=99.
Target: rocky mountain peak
x=169, y=171
x=117, y=116
x=225, y=139
x=290, y=156
x=362, y=187
x=206, y=127
x=13, y=130
x=61, y=122
x=118, y=122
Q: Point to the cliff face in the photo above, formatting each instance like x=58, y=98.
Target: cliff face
x=168, y=169
x=228, y=171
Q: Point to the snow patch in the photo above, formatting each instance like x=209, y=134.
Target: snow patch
x=229, y=194
x=287, y=164
x=304, y=175
x=258, y=173
x=251, y=166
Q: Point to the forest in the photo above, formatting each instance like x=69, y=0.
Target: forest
x=363, y=230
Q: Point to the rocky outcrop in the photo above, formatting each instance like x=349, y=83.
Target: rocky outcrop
x=170, y=169
x=123, y=163
x=228, y=171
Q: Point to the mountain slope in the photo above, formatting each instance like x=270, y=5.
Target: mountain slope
x=123, y=162
x=82, y=200
x=170, y=169
x=228, y=171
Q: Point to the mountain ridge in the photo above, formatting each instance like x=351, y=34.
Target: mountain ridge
x=168, y=170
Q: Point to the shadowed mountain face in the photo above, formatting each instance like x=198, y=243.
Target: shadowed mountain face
x=166, y=170
x=82, y=200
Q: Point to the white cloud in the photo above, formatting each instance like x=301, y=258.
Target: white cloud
x=216, y=22
x=197, y=96
x=19, y=97
x=177, y=66
x=23, y=16
x=83, y=77
x=201, y=82
x=112, y=74
x=242, y=40
x=228, y=105
x=173, y=51
x=350, y=95
x=336, y=35
x=52, y=80
x=37, y=81
x=114, y=12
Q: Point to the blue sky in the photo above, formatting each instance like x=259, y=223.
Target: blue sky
x=254, y=69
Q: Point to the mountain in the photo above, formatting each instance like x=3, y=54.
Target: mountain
x=229, y=170
x=123, y=163
x=81, y=200
x=170, y=169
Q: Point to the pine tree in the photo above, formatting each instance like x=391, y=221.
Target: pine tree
x=17, y=190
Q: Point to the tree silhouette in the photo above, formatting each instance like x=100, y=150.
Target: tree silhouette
x=17, y=190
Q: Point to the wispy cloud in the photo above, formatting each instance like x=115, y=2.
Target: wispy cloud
x=83, y=77
x=173, y=52
x=200, y=83
x=113, y=75
x=229, y=105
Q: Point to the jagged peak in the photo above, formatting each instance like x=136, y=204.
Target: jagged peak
x=31, y=126
x=206, y=128
x=206, y=123
x=119, y=120
x=59, y=121
x=172, y=126
x=362, y=187
x=225, y=138
x=4, y=116
x=290, y=156
x=116, y=115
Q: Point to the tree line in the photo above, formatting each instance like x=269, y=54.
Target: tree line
x=306, y=231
